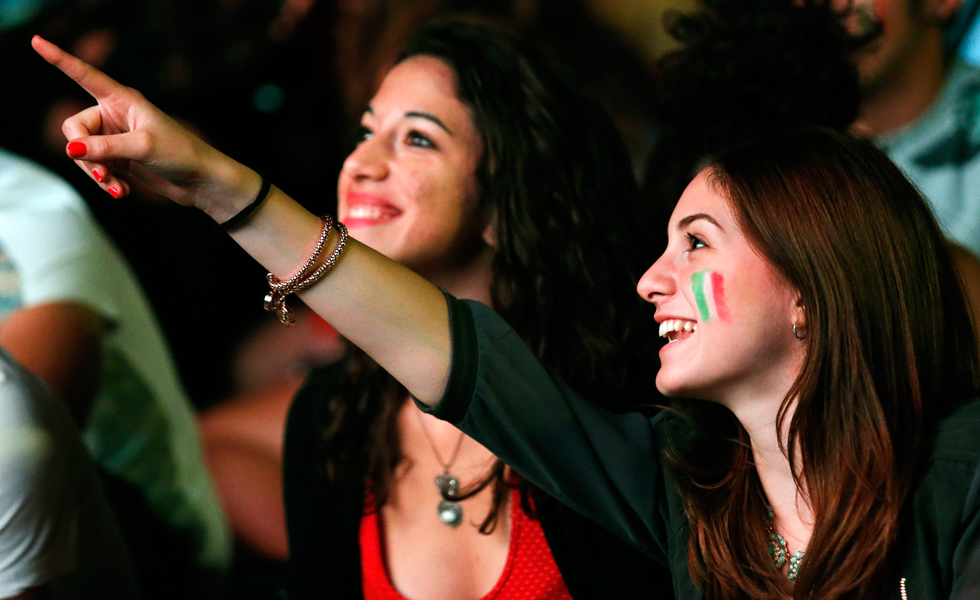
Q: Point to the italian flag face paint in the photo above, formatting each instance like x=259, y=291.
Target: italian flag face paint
x=709, y=294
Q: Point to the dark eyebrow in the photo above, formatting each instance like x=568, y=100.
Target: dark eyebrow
x=695, y=217
x=412, y=114
x=428, y=117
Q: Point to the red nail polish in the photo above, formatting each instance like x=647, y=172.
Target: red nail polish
x=98, y=175
x=76, y=149
x=114, y=191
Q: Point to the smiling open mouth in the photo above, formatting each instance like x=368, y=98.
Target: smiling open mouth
x=677, y=329
x=371, y=212
x=369, y=209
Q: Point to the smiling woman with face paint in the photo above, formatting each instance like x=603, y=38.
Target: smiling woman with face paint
x=838, y=452
x=812, y=310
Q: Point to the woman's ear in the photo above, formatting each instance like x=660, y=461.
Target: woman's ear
x=799, y=319
x=490, y=228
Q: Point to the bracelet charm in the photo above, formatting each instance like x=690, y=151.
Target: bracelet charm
x=275, y=300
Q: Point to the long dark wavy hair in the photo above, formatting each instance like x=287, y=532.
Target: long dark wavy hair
x=842, y=224
x=556, y=176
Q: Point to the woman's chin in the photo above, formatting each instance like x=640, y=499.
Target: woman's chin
x=667, y=386
x=676, y=385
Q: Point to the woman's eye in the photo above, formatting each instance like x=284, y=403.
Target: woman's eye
x=362, y=134
x=419, y=140
x=694, y=242
x=356, y=136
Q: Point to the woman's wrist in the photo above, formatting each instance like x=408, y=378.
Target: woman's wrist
x=233, y=186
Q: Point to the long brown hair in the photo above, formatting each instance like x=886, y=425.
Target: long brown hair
x=889, y=351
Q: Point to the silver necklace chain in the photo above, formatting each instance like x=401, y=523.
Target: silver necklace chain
x=425, y=431
x=449, y=511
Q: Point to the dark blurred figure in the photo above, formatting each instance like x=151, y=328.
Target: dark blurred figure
x=745, y=68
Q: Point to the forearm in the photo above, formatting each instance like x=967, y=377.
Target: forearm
x=394, y=315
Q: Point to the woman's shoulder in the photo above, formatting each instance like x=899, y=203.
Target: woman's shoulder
x=956, y=438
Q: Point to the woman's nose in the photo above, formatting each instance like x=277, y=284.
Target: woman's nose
x=657, y=282
x=369, y=160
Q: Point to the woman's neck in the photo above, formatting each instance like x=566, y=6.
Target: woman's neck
x=793, y=516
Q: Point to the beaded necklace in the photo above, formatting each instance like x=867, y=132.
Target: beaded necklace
x=777, y=548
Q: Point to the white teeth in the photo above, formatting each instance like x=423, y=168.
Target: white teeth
x=365, y=211
x=672, y=325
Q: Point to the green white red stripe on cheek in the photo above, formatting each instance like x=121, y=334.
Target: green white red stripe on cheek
x=709, y=294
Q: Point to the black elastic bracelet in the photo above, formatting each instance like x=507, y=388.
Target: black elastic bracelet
x=248, y=210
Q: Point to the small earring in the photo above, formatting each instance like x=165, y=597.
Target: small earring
x=797, y=335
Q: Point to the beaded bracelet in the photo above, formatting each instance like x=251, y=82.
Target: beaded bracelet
x=275, y=300
x=275, y=284
x=327, y=264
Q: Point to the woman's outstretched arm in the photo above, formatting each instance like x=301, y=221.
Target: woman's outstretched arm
x=394, y=315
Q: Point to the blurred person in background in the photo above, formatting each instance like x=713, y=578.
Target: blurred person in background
x=745, y=69
x=242, y=436
x=58, y=537
x=217, y=64
x=921, y=104
x=72, y=312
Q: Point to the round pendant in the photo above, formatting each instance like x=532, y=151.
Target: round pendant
x=450, y=513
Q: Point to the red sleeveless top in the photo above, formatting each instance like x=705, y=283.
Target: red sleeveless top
x=530, y=572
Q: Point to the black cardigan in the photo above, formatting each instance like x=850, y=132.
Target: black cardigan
x=608, y=466
x=323, y=520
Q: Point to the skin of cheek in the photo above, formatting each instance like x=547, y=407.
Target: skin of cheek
x=437, y=213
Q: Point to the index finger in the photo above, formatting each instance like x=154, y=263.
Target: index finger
x=92, y=80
